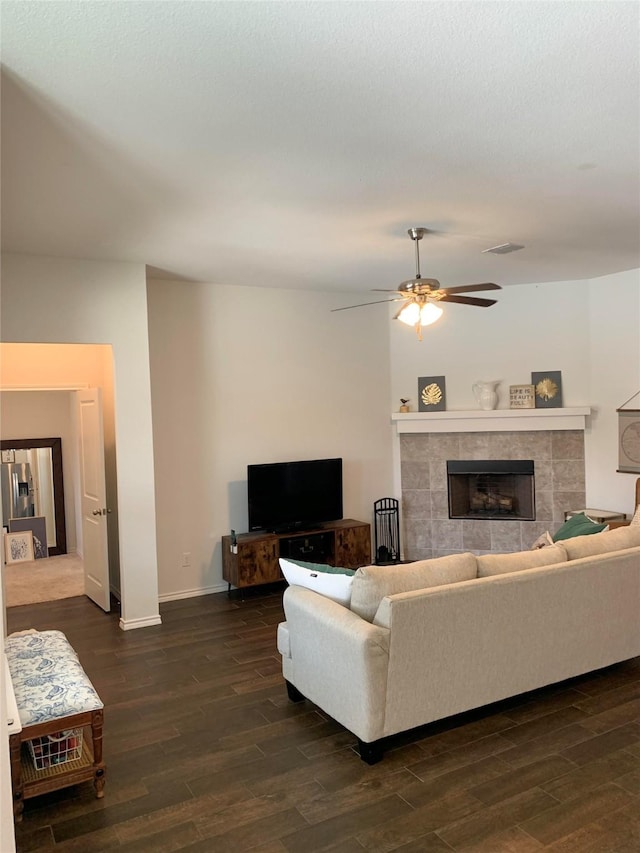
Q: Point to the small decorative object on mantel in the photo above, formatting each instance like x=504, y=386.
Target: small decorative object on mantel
x=629, y=438
x=548, y=389
x=522, y=397
x=432, y=395
x=486, y=394
x=404, y=405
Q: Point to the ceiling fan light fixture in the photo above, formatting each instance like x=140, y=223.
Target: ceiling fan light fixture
x=410, y=314
x=422, y=295
x=419, y=313
x=429, y=313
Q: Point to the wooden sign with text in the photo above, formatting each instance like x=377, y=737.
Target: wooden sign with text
x=522, y=397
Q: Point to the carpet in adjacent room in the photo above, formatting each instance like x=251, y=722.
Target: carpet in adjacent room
x=48, y=579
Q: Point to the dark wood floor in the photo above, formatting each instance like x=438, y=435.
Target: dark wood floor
x=205, y=753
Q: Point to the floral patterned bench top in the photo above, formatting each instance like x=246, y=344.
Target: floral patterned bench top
x=48, y=679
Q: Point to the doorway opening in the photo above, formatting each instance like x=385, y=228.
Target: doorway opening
x=40, y=384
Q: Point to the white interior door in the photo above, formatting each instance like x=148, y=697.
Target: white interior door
x=93, y=496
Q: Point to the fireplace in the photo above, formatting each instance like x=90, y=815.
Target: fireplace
x=427, y=441
x=491, y=489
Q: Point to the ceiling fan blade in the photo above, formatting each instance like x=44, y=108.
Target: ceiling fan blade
x=385, y=290
x=468, y=288
x=362, y=304
x=469, y=300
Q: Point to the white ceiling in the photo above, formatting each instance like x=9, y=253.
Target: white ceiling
x=292, y=144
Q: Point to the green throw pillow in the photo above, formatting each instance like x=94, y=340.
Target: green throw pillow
x=577, y=525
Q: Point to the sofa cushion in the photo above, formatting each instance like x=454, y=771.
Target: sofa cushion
x=578, y=525
x=611, y=540
x=500, y=564
x=635, y=521
x=332, y=581
x=372, y=583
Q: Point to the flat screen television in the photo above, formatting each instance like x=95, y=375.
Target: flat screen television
x=288, y=495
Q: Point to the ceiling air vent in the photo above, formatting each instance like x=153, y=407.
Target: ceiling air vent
x=503, y=249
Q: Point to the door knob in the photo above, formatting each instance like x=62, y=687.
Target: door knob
x=97, y=512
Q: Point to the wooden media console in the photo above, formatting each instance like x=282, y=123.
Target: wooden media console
x=253, y=560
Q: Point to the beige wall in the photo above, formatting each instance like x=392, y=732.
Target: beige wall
x=242, y=375
x=589, y=330
x=245, y=375
x=53, y=300
x=613, y=369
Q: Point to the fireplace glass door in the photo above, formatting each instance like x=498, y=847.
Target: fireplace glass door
x=491, y=489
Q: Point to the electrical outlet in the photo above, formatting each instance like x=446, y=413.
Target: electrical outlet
x=186, y=559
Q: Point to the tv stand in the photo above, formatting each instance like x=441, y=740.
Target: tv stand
x=345, y=543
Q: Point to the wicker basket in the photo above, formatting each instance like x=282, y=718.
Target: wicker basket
x=58, y=748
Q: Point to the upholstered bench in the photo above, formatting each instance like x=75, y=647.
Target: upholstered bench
x=55, y=701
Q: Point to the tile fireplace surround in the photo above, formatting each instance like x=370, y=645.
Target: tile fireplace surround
x=558, y=455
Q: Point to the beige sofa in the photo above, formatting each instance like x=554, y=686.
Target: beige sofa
x=423, y=641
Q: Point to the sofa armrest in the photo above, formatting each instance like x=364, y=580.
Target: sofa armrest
x=338, y=661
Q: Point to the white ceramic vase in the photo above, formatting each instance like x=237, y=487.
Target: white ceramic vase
x=486, y=394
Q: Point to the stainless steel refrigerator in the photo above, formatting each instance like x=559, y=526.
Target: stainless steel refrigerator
x=17, y=490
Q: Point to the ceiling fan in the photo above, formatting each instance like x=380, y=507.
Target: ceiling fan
x=422, y=295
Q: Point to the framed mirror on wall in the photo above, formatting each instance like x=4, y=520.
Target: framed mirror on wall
x=33, y=486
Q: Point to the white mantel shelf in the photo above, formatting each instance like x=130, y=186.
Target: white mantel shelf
x=496, y=420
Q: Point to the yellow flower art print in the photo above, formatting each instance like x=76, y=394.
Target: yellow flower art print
x=548, y=389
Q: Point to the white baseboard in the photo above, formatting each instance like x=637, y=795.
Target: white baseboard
x=143, y=622
x=193, y=593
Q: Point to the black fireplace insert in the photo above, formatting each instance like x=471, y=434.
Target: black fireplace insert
x=491, y=489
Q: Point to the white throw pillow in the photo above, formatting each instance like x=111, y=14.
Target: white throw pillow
x=542, y=541
x=330, y=581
